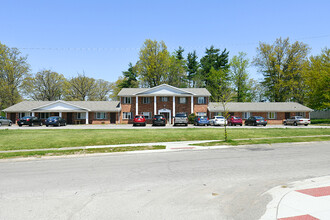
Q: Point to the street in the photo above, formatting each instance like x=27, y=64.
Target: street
x=190, y=184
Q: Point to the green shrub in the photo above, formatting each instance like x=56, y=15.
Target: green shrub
x=191, y=118
x=320, y=121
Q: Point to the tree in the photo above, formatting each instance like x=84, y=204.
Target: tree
x=214, y=70
x=177, y=69
x=240, y=77
x=256, y=91
x=13, y=69
x=130, y=78
x=317, y=79
x=80, y=88
x=102, y=90
x=282, y=65
x=192, y=68
x=214, y=59
x=221, y=93
x=218, y=83
x=115, y=89
x=153, y=64
x=45, y=86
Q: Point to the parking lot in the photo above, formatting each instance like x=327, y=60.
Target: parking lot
x=149, y=126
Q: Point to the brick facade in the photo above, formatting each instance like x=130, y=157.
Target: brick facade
x=149, y=107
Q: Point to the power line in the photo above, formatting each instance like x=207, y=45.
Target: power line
x=137, y=49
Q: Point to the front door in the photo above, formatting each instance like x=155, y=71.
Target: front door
x=167, y=116
x=69, y=118
x=13, y=117
x=166, y=113
x=113, y=118
x=287, y=115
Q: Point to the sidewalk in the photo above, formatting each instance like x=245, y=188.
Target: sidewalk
x=301, y=200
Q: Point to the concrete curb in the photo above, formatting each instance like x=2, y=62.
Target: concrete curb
x=281, y=193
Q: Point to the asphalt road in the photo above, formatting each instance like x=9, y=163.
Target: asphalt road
x=203, y=184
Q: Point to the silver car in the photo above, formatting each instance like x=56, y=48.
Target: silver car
x=181, y=118
x=297, y=120
x=5, y=121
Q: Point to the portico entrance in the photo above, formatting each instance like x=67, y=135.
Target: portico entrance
x=167, y=114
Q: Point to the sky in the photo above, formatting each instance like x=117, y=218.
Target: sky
x=100, y=38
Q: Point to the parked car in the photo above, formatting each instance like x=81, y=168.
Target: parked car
x=234, y=120
x=256, y=120
x=159, y=120
x=139, y=120
x=202, y=120
x=5, y=121
x=29, y=120
x=297, y=120
x=181, y=118
x=218, y=120
x=55, y=121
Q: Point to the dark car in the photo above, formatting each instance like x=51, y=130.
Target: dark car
x=234, y=120
x=55, y=121
x=256, y=120
x=139, y=120
x=159, y=120
x=29, y=120
x=5, y=121
x=202, y=120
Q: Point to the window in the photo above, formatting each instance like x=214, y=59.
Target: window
x=271, y=115
x=183, y=100
x=201, y=113
x=146, y=100
x=303, y=114
x=127, y=115
x=201, y=100
x=100, y=115
x=146, y=115
x=23, y=114
x=164, y=99
x=44, y=115
x=81, y=115
x=127, y=100
x=246, y=115
x=218, y=114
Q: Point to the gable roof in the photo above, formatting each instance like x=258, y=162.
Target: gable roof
x=259, y=107
x=148, y=91
x=94, y=106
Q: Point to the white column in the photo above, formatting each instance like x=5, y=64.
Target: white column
x=60, y=114
x=173, y=106
x=192, y=104
x=32, y=113
x=86, y=118
x=155, y=105
x=136, y=105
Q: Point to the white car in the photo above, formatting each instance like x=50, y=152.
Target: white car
x=218, y=120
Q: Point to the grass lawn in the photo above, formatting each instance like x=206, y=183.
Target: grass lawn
x=265, y=141
x=52, y=138
x=80, y=151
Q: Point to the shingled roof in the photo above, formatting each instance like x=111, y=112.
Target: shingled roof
x=259, y=107
x=140, y=91
x=95, y=106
